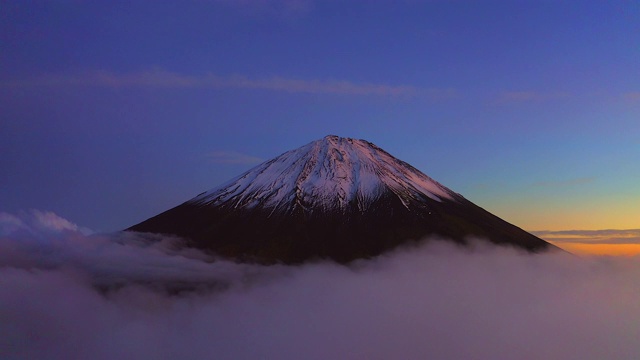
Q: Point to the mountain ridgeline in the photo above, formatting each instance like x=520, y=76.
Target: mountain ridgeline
x=334, y=198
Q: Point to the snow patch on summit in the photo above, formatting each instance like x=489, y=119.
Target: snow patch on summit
x=330, y=173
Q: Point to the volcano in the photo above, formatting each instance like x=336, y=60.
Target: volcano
x=335, y=198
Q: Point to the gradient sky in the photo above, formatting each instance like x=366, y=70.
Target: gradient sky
x=112, y=111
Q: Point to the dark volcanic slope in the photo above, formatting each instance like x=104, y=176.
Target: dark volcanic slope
x=335, y=198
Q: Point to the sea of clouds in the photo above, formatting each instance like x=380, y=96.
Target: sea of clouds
x=68, y=294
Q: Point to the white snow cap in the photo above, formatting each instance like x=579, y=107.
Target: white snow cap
x=329, y=173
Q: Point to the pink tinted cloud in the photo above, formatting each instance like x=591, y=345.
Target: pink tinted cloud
x=285, y=9
x=529, y=96
x=165, y=79
x=632, y=96
x=608, y=236
x=232, y=157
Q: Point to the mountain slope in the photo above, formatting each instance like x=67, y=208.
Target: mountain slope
x=336, y=198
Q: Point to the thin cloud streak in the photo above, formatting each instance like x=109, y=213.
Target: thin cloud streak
x=632, y=96
x=564, y=183
x=232, y=157
x=507, y=97
x=285, y=9
x=606, y=237
x=171, y=80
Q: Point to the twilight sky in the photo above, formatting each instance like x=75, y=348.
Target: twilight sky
x=111, y=112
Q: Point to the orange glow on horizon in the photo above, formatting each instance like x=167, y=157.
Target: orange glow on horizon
x=599, y=249
x=614, y=242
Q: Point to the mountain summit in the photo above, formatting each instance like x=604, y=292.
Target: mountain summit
x=336, y=198
x=332, y=174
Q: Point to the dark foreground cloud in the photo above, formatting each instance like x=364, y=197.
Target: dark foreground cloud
x=65, y=294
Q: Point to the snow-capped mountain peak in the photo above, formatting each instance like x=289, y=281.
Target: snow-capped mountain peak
x=330, y=173
x=334, y=198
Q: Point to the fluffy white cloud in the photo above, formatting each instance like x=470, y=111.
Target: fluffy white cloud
x=433, y=301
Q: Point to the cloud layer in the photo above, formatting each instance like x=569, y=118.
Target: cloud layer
x=159, y=78
x=232, y=157
x=529, y=96
x=432, y=301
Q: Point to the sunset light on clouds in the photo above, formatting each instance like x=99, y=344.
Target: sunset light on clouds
x=595, y=242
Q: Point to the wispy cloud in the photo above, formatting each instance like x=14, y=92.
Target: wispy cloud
x=321, y=86
x=37, y=221
x=165, y=79
x=608, y=236
x=529, y=96
x=232, y=157
x=564, y=183
x=286, y=9
x=632, y=96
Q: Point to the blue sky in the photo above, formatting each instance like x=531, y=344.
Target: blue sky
x=111, y=112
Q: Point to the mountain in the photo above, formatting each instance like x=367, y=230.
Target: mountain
x=335, y=198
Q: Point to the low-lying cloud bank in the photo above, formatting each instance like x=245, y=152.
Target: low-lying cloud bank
x=67, y=294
